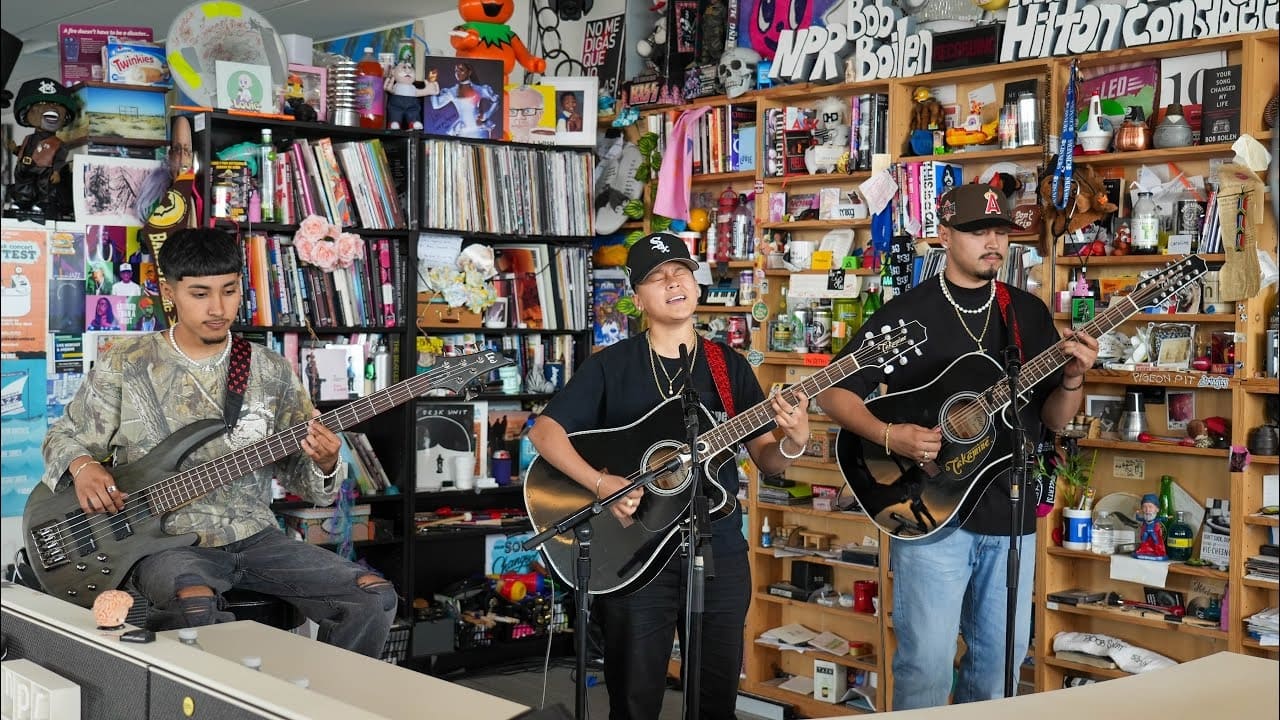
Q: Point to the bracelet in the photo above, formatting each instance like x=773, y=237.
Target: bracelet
x=599, y=478
x=886, y=438
x=315, y=470
x=83, y=465
x=786, y=454
x=1073, y=388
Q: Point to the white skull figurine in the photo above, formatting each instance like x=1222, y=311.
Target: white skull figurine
x=833, y=123
x=738, y=70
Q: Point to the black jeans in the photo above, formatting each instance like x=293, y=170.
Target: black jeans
x=639, y=628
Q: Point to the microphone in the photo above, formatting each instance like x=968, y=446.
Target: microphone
x=684, y=361
x=1012, y=360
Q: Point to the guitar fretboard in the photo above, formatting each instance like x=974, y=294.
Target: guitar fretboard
x=180, y=489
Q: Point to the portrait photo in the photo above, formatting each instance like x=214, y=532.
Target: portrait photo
x=531, y=114
x=465, y=98
x=1181, y=408
x=1106, y=408
x=575, y=109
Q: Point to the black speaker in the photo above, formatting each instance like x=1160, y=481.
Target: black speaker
x=808, y=575
x=171, y=694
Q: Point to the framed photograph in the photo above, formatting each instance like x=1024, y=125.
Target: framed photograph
x=1171, y=344
x=575, y=109
x=531, y=114
x=464, y=98
x=1106, y=408
x=495, y=316
x=242, y=86
x=104, y=190
x=315, y=87
x=1180, y=408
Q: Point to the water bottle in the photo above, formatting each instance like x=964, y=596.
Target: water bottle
x=381, y=367
x=267, y=179
x=1145, y=226
x=527, y=451
x=190, y=637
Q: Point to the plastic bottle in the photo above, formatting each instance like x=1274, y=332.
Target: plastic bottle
x=744, y=243
x=190, y=637
x=527, y=451
x=381, y=367
x=1145, y=226
x=369, y=91
x=1103, y=539
x=766, y=534
x=267, y=178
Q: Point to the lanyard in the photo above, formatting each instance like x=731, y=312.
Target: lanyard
x=1063, y=171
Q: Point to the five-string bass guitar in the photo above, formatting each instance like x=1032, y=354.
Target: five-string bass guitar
x=911, y=500
x=78, y=556
x=627, y=557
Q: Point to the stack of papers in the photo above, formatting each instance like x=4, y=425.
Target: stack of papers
x=799, y=638
x=1262, y=567
x=1265, y=626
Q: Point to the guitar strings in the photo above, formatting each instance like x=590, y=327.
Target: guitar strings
x=89, y=523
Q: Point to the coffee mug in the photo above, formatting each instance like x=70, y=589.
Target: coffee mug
x=464, y=472
x=864, y=596
x=799, y=252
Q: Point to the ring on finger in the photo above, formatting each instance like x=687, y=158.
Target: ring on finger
x=111, y=489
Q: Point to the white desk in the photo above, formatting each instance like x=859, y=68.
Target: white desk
x=1223, y=686
x=342, y=684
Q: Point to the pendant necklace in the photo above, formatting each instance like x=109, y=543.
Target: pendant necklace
x=207, y=366
x=961, y=311
x=671, y=381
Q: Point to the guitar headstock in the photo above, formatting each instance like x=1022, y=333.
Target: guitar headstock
x=891, y=346
x=455, y=373
x=1159, y=288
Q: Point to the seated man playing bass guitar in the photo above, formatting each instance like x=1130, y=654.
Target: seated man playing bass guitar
x=949, y=522
x=624, y=384
x=150, y=393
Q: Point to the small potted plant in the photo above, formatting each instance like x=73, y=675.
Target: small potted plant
x=1070, y=472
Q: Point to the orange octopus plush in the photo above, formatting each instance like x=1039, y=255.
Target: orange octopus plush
x=486, y=35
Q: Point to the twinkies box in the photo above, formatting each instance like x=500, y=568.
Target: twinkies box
x=319, y=526
x=135, y=64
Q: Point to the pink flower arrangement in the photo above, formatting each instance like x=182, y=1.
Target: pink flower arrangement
x=326, y=246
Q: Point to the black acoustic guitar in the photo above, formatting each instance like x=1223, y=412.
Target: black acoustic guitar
x=911, y=500
x=627, y=557
x=77, y=556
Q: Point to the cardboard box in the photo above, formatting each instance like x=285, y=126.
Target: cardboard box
x=118, y=111
x=829, y=681
x=316, y=525
x=435, y=313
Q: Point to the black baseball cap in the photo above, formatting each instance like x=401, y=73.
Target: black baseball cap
x=653, y=250
x=973, y=207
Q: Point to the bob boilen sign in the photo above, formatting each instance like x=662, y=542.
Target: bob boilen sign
x=883, y=43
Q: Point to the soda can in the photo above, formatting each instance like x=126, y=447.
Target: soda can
x=818, y=333
x=738, y=332
x=780, y=335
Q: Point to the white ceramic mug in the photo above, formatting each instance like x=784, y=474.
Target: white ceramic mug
x=1077, y=529
x=799, y=253
x=464, y=472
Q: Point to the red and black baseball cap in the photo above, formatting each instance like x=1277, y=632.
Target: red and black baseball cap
x=653, y=250
x=973, y=207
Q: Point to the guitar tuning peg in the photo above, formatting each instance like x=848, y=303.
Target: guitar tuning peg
x=888, y=369
x=885, y=328
x=919, y=353
x=902, y=360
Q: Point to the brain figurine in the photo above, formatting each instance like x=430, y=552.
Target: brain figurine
x=111, y=608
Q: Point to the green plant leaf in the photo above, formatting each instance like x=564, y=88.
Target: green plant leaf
x=633, y=237
x=627, y=306
x=655, y=160
x=634, y=209
x=647, y=143
x=660, y=224
x=642, y=173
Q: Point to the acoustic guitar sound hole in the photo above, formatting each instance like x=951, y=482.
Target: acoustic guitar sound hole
x=668, y=481
x=964, y=420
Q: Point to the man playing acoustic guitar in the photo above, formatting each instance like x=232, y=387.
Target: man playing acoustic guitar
x=951, y=579
x=147, y=388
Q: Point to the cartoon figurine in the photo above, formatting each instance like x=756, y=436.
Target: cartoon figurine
x=403, y=90
x=649, y=48
x=486, y=35
x=295, y=100
x=1151, y=537
x=44, y=105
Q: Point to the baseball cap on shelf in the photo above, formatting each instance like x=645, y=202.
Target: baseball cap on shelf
x=973, y=207
x=653, y=250
x=126, y=266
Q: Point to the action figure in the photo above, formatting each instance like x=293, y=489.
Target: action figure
x=404, y=108
x=37, y=189
x=295, y=100
x=1151, y=537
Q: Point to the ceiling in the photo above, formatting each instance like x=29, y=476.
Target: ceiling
x=36, y=22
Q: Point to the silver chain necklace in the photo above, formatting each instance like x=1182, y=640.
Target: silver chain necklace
x=946, y=292
x=208, y=365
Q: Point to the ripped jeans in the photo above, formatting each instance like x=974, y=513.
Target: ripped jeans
x=321, y=584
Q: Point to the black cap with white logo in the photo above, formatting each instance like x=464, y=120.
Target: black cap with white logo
x=653, y=250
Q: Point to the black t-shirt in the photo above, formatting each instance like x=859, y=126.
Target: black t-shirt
x=948, y=341
x=616, y=387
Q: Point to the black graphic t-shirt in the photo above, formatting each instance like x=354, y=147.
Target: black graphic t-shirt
x=616, y=386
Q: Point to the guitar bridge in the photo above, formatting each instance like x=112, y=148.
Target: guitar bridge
x=49, y=545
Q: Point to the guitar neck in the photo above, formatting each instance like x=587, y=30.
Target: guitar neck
x=744, y=423
x=202, y=479
x=1047, y=362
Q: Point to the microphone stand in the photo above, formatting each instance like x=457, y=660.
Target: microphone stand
x=698, y=549
x=579, y=522
x=1017, y=484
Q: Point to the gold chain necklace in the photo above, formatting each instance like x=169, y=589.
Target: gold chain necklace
x=961, y=311
x=977, y=339
x=671, y=381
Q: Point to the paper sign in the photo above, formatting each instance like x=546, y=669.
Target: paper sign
x=438, y=250
x=1143, y=572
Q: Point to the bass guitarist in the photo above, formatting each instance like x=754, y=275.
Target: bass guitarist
x=953, y=580
x=616, y=387
x=145, y=388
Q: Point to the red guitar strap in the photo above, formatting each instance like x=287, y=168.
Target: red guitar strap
x=719, y=373
x=1010, y=321
x=237, y=380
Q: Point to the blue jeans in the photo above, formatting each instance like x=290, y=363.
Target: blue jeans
x=639, y=629
x=321, y=584
x=954, y=583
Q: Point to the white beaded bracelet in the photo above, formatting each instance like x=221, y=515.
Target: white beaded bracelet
x=786, y=454
x=315, y=469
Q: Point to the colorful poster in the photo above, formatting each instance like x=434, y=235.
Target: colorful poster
x=66, y=281
x=602, y=49
x=469, y=102
x=23, y=425
x=24, y=289
x=504, y=554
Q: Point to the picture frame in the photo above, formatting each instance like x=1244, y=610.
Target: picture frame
x=1172, y=344
x=576, y=99
x=466, y=98
x=245, y=87
x=1106, y=408
x=495, y=316
x=315, y=87
x=1180, y=408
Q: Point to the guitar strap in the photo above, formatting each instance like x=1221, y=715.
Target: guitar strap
x=1006, y=312
x=719, y=373
x=237, y=380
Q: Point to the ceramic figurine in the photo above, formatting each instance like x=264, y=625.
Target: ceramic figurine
x=38, y=188
x=1174, y=131
x=1151, y=536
